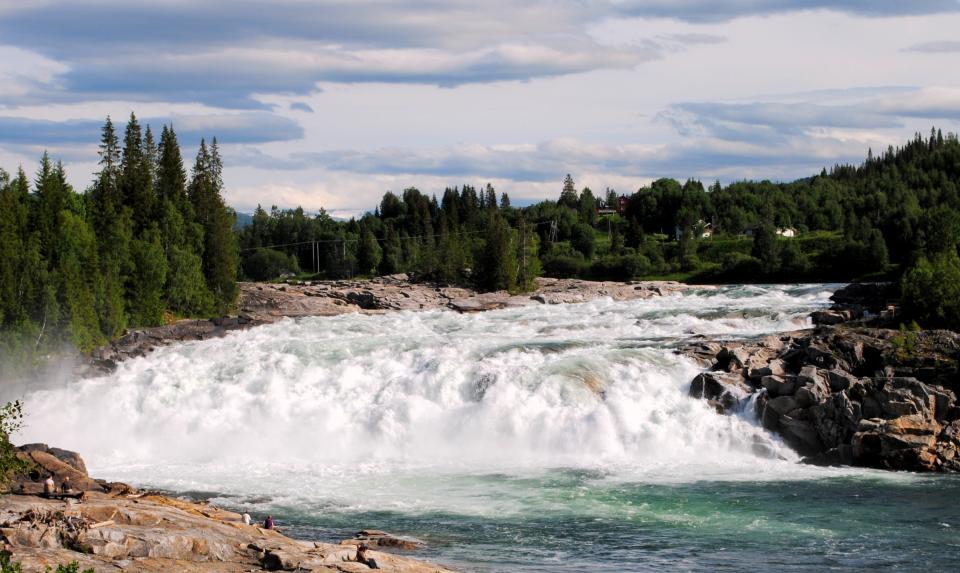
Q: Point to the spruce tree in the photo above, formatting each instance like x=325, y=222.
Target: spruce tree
x=148, y=280
x=392, y=259
x=497, y=259
x=136, y=175
x=568, y=196
x=219, y=255
x=78, y=282
x=113, y=227
x=171, y=176
x=50, y=202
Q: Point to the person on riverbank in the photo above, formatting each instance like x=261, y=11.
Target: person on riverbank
x=65, y=487
x=246, y=518
x=363, y=558
x=268, y=522
x=49, y=488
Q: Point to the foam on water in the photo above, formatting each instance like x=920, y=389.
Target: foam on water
x=403, y=401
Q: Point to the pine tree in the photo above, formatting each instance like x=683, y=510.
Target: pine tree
x=504, y=202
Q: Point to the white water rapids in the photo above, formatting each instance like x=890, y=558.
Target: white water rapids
x=306, y=407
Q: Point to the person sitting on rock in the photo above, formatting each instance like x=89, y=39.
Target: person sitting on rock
x=49, y=488
x=268, y=522
x=363, y=558
x=65, y=487
x=246, y=518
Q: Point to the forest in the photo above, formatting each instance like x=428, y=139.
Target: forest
x=894, y=217
x=145, y=244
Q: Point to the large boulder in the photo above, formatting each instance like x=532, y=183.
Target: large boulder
x=723, y=390
x=908, y=442
x=42, y=460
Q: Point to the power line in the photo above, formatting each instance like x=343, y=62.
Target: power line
x=383, y=240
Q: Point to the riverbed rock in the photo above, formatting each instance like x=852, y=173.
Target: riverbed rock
x=156, y=533
x=847, y=394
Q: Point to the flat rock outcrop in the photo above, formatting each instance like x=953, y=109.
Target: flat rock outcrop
x=264, y=303
x=850, y=394
x=112, y=529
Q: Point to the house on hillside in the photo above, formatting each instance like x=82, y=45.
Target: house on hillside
x=786, y=232
x=706, y=231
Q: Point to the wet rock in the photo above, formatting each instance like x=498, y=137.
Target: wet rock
x=723, y=390
x=377, y=538
x=782, y=405
x=801, y=435
x=827, y=317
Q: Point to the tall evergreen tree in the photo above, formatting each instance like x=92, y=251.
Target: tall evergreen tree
x=113, y=227
x=136, y=185
x=171, y=175
x=497, y=259
x=219, y=256
x=148, y=280
x=568, y=196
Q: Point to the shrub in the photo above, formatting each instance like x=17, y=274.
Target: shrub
x=562, y=266
x=931, y=291
x=266, y=264
x=11, y=419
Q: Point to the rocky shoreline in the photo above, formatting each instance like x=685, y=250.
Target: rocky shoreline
x=848, y=392
x=265, y=303
x=113, y=527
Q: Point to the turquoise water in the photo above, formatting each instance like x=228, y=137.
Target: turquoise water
x=834, y=524
x=547, y=438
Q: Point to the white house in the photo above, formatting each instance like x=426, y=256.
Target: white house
x=788, y=232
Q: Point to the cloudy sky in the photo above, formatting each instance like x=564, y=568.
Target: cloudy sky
x=331, y=103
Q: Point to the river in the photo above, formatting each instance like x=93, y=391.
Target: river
x=545, y=438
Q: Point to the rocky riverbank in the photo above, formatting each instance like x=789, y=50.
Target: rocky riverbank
x=848, y=392
x=264, y=303
x=112, y=527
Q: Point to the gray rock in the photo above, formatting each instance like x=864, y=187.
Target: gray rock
x=779, y=385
